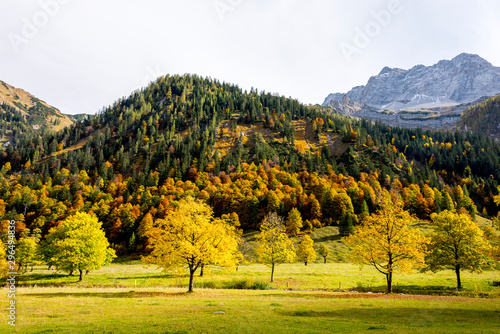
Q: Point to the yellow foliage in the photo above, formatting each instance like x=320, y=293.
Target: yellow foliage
x=7, y=167
x=274, y=245
x=78, y=243
x=305, y=252
x=3, y=262
x=189, y=235
x=457, y=243
x=386, y=241
x=497, y=197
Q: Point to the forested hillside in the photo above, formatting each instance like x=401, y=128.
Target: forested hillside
x=23, y=114
x=247, y=153
x=482, y=118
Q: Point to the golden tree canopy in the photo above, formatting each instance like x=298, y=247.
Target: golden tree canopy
x=293, y=222
x=386, y=241
x=457, y=243
x=324, y=251
x=305, y=251
x=274, y=245
x=78, y=243
x=190, y=236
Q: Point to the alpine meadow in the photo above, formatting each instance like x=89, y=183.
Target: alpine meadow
x=197, y=205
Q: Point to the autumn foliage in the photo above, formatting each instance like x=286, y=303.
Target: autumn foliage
x=386, y=241
x=190, y=236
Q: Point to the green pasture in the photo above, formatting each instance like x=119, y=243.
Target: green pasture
x=172, y=310
x=334, y=297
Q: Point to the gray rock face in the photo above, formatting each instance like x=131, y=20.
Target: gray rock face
x=463, y=79
x=430, y=118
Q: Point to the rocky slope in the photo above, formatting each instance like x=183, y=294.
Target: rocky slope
x=445, y=117
x=463, y=79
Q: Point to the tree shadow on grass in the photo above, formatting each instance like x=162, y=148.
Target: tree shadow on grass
x=34, y=277
x=128, y=294
x=410, y=316
x=328, y=238
x=414, y=289
x=160, y=276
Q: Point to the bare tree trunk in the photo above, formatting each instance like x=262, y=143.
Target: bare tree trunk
x=272, y=273
x=191, y=277
x=70, y=273
x=305, y=262
x=459, y=283
x=389, y=274
x=201, y=270
x=81, y=275
x=324, y=257
x=389, y=282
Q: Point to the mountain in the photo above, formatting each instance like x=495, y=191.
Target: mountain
x=182, y=122
x=482, y=118
x=445, y=117
x=248, y=153
x=463, y=79
x=22, y=113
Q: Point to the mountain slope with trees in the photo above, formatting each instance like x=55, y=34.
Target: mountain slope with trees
x=246, y=154
x=482, y=118
x=22, y=114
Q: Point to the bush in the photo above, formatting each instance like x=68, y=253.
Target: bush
x=246, y=284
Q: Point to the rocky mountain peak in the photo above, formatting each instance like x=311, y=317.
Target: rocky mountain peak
x=463, y=79
x=467, y=58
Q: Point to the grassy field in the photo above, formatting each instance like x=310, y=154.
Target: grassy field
x=336, y=274
x=297, y=276
x=172, y=310
x=335, y=297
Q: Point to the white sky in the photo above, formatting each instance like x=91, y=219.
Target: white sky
x=85, y=54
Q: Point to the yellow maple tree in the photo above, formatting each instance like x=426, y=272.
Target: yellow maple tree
x=190, y=236
x=77, y=243
x=274, y=245
x=457, y=243
x=386, y=241
x=305, y=251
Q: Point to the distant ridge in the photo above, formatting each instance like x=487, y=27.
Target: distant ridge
x=23, y=113
x=464, y=79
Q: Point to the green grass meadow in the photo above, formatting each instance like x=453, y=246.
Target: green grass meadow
x=172, y=310
x=296, y=276
x=334, y=297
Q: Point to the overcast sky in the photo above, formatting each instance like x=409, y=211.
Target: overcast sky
x=81, y=55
